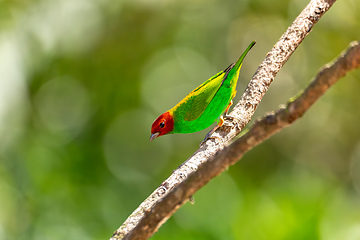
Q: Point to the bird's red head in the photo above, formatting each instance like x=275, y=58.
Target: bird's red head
x=162, y=125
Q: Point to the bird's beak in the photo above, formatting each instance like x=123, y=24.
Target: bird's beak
x=154, y=135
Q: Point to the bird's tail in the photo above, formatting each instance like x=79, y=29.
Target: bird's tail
x=232, y=72
x=241, y=58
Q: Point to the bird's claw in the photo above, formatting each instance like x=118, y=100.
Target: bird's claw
x=207, y=138
x=220, y=124
x=232, y=119
x=208, y=135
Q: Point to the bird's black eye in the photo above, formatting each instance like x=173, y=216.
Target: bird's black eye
x=162, y=125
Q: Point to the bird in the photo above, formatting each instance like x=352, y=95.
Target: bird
x=203, y=106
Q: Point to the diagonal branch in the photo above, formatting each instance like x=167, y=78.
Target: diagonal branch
x=202, y=166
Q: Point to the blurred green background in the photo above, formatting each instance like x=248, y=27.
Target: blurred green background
x=81, y=82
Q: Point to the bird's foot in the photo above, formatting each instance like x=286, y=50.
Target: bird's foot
x=208, y=135
x=235, y=119
x=220, y=124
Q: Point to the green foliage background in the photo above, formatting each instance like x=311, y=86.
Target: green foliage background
x=81, y=82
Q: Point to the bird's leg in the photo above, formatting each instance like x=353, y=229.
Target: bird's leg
x=221, y=122
x=208, y=135
x=226, y=116
x=227, y=110
x=228, y=107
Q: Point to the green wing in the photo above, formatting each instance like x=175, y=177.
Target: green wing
x=194, y=104
x=197, y=101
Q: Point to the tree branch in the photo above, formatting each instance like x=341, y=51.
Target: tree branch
x=202, y=166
